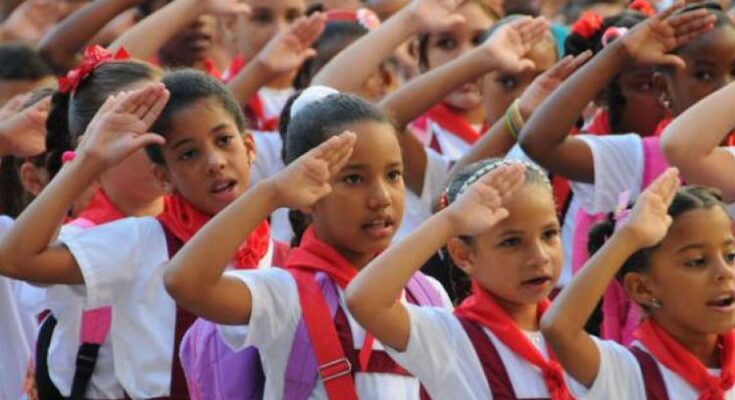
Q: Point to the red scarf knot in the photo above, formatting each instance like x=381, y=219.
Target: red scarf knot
x=672, y=354
x=183, y=220
x=483, y=309
x=94, y=56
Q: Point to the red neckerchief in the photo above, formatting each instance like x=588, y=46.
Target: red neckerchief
x=211, y=68
x=255, y=108
x=100, y=210
x=236, y=65
x=452, y=122
x=600, y=124
x=482, y=308
x=669, y=352
x=183, y=220
x=316, y=256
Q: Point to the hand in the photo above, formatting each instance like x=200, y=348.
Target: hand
x=435, y=15
x=287, y=51
x=14, y=105
x=225, y=7
x=546, y=83
x=121, y=125
x=33, y=18
x=481, y=207
x=649, y=220
x=306, y=180
x=24, y=134
x=650, y=42
x=508, y=46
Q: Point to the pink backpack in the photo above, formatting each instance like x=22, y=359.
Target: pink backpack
x=620, y=315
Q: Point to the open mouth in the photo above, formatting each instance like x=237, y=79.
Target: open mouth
x=379, y=228
x=538, y=281
x=725, y=302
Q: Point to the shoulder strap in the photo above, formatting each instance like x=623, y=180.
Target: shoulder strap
x=654, y=162
x=332, y=366
x=45, y=387
x=652, y=378
x=492, y=365
x=423, y=291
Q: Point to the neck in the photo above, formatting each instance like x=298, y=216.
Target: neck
x=702, y=346
x=358, y=260
x=135, y=207
x=525, y=316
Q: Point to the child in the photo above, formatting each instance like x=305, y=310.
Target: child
x=603, y=166
x=499, y=226
x=350, y=203
x=205, y=163
x=674, y=254
x=691, y=143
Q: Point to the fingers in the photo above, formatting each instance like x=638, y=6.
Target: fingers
x=670, y=10
x=148, y=139
x=574, y=64
x=336, y=151
x=313, y=29
x=505, y=179
x=534, y=31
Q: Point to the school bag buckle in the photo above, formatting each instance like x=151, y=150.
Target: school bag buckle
x=335, y=369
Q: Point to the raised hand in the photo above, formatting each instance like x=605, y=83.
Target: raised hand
x=480, y=207
x=225, y=7
x=435, y=15
x=121, y=125
x=649, y=220
x=546, y=83
x=509, y=45
x=33, y=18
x=287, y=51
x=650, y=42
x=24, y=133
x=307, y=180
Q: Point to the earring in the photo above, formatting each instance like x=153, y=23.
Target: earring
x=655, y=303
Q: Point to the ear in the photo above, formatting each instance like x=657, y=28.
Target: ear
x=641, y=288
x=249, y=142
x=163, y=178
x=662, y=90
x=33, y=178
x=462, y=255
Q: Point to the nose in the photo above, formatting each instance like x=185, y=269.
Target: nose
x=215, y=163
x=379, y=196
x=539, y=253
x=724, y=270
x=281, y=25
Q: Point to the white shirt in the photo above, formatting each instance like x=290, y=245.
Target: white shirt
x=452, y=146
x=123, y=264
x=273, y=100
x=275, y=314
x=620, y=377
x=441, y=355
x=17, y=335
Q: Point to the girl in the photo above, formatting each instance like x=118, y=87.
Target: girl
x=691, y=143
x=603, y=166
x=499, y=226
x=205, y=164
x=350, y=204
x=675, y=256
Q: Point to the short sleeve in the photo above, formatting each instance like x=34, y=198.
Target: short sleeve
x=110, y=255
x=619, y=376
x=268, y=162
x=618, y=164
x=275, y=309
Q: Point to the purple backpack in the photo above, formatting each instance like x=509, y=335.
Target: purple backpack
x=213, y=371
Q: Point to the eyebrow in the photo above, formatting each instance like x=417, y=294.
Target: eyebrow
x=700, y=245
x=186, y=140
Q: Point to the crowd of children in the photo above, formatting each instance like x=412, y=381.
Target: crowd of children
x=377, y=199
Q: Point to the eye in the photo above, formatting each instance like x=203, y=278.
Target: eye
x=353, y=179
x=695, y=262
x=225, y=140
x=551, y=234
x=262, y=17
x=508, y=82
x=187, y=155
x=703, y=75
x=293, y=15
x=730, y=258
x=511, y=242
x=446, y=43
x=395, y=175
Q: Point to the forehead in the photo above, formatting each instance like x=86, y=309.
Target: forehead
x=476, y=19
x=198, y=120
x=716, y=46
x=710, y=227
x=543, y=54
x=376, y=143
x=532, y=204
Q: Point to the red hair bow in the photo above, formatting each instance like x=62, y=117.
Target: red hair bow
x=94, y=56
x=587, y=25
x=643, y=7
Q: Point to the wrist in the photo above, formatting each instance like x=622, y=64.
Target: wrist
x=270, y=190
x=262, y=69
x=407, y=22
x=627, y=239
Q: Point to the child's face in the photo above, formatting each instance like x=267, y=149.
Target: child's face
x=500, y=90
x=642, y=111
x=365, y=208
x=447, y=46
x=207, y=159
x=193, y=44
x=710, y=65
x=267, y=19
x=690, y=272
x=520, y=259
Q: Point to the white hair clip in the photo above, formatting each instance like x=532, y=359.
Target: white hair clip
x=311, y=95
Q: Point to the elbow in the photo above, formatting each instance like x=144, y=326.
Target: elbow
x=551, y=327
x=355, y=301
x=675, y=153
x=176, y=287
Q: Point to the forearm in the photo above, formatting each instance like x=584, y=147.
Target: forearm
x=249, y=80
x=349, y=69
x=145, y=39
x=419, y=94
x=60, y=46
x=199, y=265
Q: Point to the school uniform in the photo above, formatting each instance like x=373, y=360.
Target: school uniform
x=441, y=355
x=123, y=265
x=276, y=312
x=447, y=132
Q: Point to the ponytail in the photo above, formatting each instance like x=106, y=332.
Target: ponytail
x=58, y=138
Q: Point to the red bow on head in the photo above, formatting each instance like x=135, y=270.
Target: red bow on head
x=588, y=24
x=94, y=56
x=643, y=7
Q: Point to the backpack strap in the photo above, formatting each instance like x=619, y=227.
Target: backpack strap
x=652, y=378
x=95, y=328
x=332, y=366
x=492, y=365
x=423, y=291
